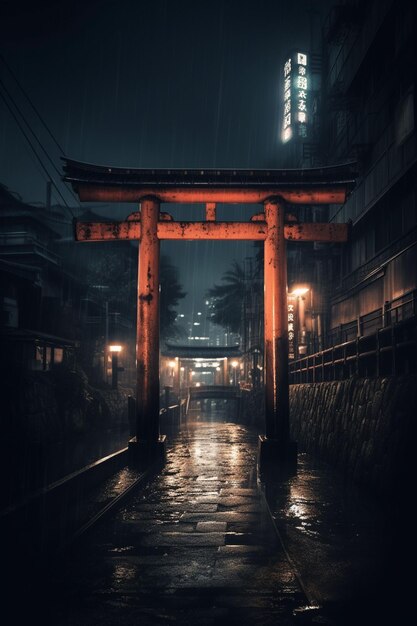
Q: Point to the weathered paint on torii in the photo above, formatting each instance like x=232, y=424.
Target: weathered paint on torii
x=274, y=189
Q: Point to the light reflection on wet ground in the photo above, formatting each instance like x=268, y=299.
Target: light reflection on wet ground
x=197, y=546
x=339, y=539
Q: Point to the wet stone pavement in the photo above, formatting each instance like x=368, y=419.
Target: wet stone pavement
x=197, y=546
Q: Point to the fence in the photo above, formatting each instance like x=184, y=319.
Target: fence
x=381, y=343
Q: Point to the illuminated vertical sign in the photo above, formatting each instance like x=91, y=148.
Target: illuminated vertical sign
x=296, y=86
x=291, y=327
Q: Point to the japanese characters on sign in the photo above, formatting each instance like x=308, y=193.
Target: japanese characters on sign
x=296, y=86
x=291, y=327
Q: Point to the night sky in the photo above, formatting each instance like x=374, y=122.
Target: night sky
x=150, y=84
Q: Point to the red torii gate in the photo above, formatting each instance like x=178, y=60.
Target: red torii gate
x=272, y=188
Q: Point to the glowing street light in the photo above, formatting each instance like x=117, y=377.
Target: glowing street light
x=115, y=350
x=299, y=291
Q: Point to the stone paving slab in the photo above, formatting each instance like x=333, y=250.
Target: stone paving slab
x=196, y=546
x=206, y=527
x=222, y=516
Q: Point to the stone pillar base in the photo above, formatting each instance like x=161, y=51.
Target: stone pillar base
x=144, y=454
x=277, y=459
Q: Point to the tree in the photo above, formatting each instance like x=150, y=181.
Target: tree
x=113, y=274
x=228, y=298
x=171, y=294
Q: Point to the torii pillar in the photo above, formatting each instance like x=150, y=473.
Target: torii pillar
x=276, y=444
x=149, y=444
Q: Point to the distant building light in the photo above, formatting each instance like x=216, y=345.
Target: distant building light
x=115, y=348
x=199, y=313
x=205, y=364
x=196, y=324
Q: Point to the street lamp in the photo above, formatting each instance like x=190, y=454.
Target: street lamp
x=299, y=291
x=171, y=366
x=115, y=351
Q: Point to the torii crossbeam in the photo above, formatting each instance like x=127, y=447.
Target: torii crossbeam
x=272, y=188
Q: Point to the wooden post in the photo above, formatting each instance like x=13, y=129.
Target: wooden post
x=147, y=333
x=275, y=449
x=276, y=325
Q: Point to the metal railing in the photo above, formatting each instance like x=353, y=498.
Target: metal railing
x=391, y=349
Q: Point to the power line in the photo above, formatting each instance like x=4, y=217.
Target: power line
x=32, y=104
x=37, y=140
x=31, y=130
x=28, y=125
x=32, y=146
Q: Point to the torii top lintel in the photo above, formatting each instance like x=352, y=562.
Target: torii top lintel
x=325, y=185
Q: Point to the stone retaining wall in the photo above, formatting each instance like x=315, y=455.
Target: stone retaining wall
x=362, y=426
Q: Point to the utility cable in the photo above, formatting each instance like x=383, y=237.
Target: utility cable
x=9, y=95
x=50, y=178
x=15, y=117
x=31, y=104
x=61, y=150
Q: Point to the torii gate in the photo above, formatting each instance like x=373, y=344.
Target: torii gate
x=273, y=189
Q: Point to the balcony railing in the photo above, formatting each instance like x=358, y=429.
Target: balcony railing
x=385, y=345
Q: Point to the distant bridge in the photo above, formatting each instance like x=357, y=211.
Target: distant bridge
x=201, y=352
x=206, y=392
x=214, y=392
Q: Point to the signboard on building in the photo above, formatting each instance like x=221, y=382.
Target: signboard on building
x=291, y=327
x=296, y=87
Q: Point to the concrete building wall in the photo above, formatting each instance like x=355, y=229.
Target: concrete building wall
x=370, y=117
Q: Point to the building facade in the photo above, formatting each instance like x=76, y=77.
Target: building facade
x=367, y=115
x=370, y=117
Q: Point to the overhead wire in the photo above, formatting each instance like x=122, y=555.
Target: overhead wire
x=44, y=124
x=9, y=95
x=26, y=136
